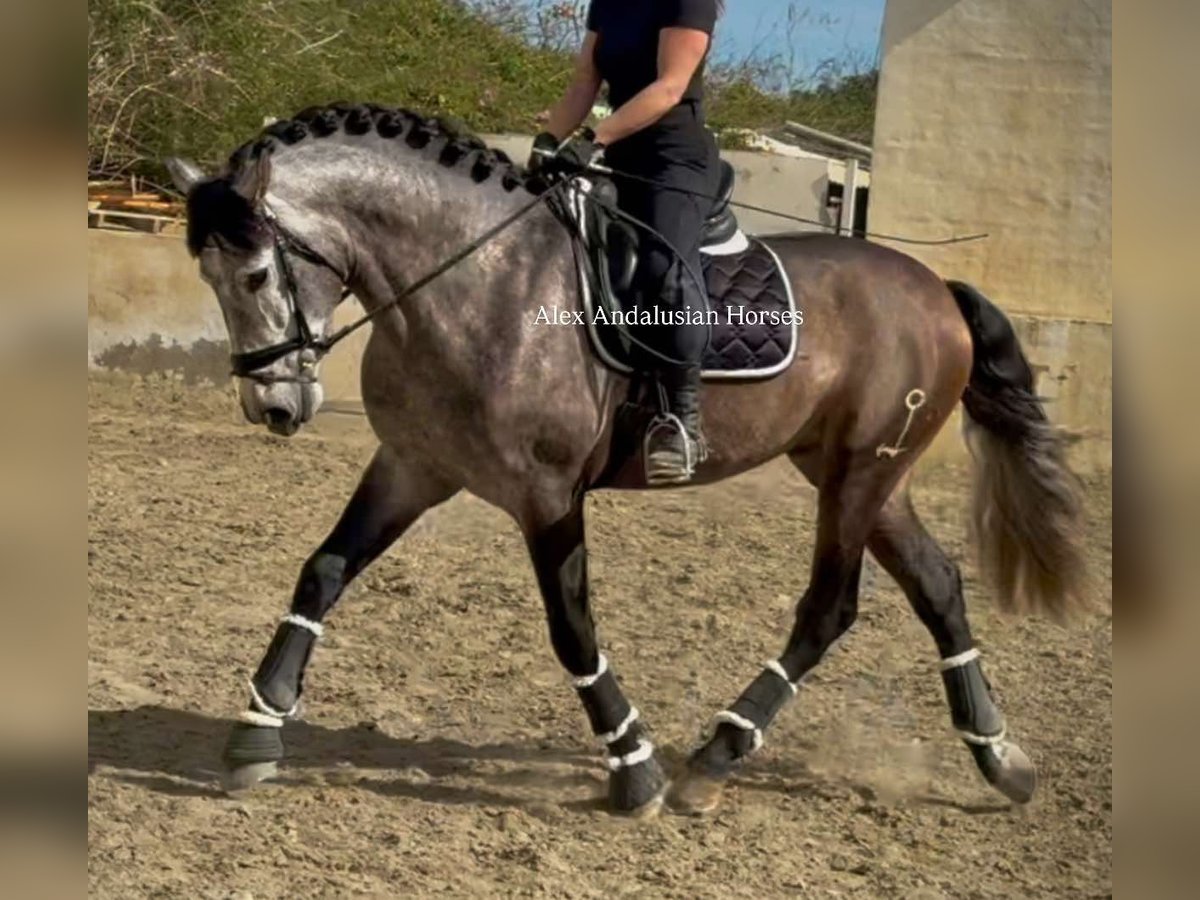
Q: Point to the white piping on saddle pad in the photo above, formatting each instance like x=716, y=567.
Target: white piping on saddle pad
x=735, y=244
x=577, y=194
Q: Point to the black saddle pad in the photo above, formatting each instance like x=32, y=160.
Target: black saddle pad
x=757, y=323
x=754, y=322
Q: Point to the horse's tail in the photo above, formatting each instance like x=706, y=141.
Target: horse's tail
x=1026, y=510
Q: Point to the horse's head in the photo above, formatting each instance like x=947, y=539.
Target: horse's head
x=274, y=280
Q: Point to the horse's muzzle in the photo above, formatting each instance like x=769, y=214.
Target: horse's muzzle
x=281, y=421
x=281, y=406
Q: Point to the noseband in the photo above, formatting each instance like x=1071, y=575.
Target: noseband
x=250, y=364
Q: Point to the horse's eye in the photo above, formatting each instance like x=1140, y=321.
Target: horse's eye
x=256, y=280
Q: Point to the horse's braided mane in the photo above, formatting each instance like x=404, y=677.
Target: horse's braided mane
x=215, y=208
x=447, y=140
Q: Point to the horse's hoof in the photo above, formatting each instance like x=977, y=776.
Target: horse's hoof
x=251, y=755
x=1007, y=769
x=648, y=810
x=242, y=778
x=637, y=791
x=693, y=794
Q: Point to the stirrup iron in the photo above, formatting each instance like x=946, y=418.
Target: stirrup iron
x=665, y=466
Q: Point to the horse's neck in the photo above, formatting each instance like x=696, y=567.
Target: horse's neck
x=404, y=220
x=404, y=217
x=418, y=233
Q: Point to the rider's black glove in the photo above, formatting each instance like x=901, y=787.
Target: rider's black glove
x=544, y=146
x=577, y=154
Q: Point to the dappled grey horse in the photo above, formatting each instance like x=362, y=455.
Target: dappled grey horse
x=465, y=392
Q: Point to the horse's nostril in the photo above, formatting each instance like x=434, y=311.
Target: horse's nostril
x=280, y=421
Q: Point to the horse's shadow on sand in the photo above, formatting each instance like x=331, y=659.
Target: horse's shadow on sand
x=177, y=752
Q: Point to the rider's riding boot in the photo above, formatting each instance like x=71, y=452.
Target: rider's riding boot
x=673, y=445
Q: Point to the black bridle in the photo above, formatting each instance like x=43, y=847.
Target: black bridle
x=250, y=363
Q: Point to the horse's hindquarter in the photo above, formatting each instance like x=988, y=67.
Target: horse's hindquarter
x=876, y=325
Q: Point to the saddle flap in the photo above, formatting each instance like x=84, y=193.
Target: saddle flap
x=612, y=244
x=621, y=247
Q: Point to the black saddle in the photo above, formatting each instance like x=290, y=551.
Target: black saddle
x=620, y=239
x=754, y=327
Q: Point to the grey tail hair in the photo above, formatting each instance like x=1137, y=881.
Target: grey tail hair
x=1026, y=510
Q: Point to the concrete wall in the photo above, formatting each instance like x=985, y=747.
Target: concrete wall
x=996, y=116
x=148, y=310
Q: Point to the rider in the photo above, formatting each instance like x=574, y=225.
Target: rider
x=651, y=53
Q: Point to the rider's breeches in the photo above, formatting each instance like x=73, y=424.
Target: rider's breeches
x=673, y=158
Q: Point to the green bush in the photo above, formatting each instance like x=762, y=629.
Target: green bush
x=845, y=107
x=197, y=77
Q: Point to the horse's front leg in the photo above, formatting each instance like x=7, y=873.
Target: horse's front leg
x=391, y=496
x=557, y=547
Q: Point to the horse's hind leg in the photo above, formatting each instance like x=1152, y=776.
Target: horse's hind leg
x=851, y=495
x=559, y=553
x=391, y=495
x=934, y=588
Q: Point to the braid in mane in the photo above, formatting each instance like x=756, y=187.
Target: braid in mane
x=446, y=140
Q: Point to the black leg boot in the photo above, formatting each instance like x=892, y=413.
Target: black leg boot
x=673, y=445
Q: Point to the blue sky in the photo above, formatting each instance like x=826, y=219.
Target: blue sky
x=816, y=30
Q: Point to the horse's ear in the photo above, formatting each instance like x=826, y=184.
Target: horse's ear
x=185, y=173
x=251, y=180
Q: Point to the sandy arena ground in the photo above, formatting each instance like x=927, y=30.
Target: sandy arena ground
x=441, y=749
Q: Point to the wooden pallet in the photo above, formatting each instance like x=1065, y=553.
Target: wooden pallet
x=128, y=220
